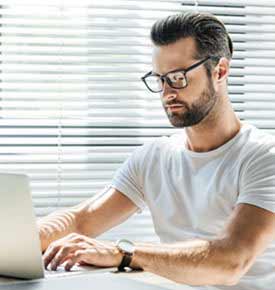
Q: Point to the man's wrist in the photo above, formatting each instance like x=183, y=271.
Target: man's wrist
x=134, y=263
x=140, y=259
x=127, y=248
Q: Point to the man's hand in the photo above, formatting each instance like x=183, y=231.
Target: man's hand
x=80, y=249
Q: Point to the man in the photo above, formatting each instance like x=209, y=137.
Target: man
x=210, y=188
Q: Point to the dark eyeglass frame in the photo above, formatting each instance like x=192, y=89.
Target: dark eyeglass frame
x=165, y=78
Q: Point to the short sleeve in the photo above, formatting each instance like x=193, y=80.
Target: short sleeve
x=129, y=178
x=257, y=181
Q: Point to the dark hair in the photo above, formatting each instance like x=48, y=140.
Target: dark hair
x=208, y=31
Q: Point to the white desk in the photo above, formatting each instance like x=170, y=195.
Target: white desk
x=108, y=281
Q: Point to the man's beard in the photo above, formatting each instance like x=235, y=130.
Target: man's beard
x=193, y=114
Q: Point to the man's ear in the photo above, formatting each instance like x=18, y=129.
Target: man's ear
x=222, y=69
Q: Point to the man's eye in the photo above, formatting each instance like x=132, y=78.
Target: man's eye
x=177, y=77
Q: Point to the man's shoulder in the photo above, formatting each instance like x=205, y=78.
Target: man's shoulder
x=259, y=139
x=258, y=145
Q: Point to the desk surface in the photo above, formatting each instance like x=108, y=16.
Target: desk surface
x=146, y=280
x=152, y=279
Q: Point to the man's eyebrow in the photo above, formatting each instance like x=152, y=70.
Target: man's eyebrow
x=174, y=70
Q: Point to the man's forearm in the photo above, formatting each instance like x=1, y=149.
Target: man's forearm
x=91, y=217
x=195, y=262
x=56, y=226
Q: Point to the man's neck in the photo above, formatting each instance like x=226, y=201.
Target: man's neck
x=216, y=130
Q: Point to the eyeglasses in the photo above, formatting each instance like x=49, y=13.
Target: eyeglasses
x=175, y=79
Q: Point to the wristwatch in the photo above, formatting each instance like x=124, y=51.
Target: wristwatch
x=127, y=248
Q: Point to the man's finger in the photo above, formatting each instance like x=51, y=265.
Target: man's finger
x=66, y=258
x=62, y=254
x=76, y=258
x=49, y=254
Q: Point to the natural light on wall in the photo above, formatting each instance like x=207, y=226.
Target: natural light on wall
x=73, y=107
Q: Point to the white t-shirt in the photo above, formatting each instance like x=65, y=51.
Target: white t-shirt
x=192, y=194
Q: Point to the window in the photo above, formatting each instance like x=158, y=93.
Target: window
x=73, y=107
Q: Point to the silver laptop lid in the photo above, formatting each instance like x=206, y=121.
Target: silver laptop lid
x=20, y=253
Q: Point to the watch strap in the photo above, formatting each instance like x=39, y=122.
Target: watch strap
x=125, y=262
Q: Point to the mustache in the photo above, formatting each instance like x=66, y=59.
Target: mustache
x=175, y=103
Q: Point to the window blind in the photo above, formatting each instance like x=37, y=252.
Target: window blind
x=72, y=106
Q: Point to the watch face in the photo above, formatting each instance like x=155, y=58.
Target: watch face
x=126, y=246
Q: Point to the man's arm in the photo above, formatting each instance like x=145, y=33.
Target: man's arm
x=91, y=217
x=223, y=260
x=220, y=261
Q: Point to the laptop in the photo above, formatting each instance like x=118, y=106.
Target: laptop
x=20, y=252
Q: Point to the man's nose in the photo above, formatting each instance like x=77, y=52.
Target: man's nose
x=168, y=93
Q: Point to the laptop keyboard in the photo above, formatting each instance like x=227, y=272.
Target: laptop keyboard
x=77, y=270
